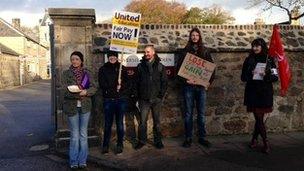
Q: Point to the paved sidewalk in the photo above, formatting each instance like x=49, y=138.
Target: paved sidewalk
x=226, y=153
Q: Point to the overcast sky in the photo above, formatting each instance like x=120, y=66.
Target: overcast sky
x=29, y=11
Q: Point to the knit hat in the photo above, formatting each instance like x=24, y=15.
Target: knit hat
x=79, y=54
x=112, y=53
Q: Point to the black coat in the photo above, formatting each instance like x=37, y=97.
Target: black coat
x=108, y=81
x=204, y=54
x=151, y=84
x=131, y=101
x=258, y=93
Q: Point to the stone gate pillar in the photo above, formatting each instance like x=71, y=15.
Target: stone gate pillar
x=73, y=29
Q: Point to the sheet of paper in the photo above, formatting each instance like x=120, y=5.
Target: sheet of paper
x=259, y=68
x=74, y=89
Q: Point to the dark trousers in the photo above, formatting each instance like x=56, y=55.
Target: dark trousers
x=130, y=125
x=145, y=106
x=114, y=107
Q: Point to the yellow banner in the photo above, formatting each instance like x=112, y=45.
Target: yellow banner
x=124, y=43
x=124, y=22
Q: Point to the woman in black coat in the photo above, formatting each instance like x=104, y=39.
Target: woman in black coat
x=259, y=90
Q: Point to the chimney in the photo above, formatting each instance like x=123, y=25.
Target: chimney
x=259, y=21
x=16, y=23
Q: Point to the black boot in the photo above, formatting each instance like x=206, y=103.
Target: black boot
x=187, y=143
x=119, y=148
x=204, y=143
x=139, y=145
x=105, y=150
x=159, y=144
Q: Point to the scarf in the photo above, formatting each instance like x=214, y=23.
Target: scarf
x=78, y=73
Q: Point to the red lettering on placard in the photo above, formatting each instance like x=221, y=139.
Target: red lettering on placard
x=197, y=61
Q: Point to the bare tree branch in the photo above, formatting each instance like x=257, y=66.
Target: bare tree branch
x=295, y=18
x=292, y=7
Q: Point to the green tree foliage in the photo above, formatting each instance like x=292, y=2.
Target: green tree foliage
x=212, y=15
x=158, y=11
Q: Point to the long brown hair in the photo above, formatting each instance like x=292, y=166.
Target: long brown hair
x=199, y=43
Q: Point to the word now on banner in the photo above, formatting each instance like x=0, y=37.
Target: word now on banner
x=125, y=32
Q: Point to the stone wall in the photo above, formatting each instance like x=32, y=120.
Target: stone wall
x=225, y=110
x=9, y=71
x=168, y=38
x=230, y=44
x=12, y=66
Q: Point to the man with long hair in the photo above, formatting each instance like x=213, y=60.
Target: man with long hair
x=193, y=93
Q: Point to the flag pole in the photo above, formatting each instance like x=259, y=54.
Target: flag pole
x=267, y=56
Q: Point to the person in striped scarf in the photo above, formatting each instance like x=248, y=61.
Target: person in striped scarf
x=77, y=106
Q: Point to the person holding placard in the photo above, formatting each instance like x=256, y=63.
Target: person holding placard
x=259, y=72
x=194, y=93
x=78, y=87
x=115, y=99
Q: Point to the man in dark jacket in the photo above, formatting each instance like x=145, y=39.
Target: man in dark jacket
x=151, y=86
x=115, y=99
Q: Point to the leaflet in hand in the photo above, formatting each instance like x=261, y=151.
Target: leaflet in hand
x=259, y=69
x=74, y=89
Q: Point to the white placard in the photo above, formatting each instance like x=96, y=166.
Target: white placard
x=196, y=69
x=125, y=32
x=258, y=70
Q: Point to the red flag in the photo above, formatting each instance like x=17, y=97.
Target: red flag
x=276, y=50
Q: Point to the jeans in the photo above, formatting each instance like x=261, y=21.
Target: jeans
x=145, y=106
x=194, y=94
x=114, y=107
x=78, y=149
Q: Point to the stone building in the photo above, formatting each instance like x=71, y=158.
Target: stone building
x=259, y=21
x=44, y=38
x=32, y=54
x=229, y=44
x=9, y=67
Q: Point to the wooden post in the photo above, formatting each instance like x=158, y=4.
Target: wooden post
x=120, y=68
